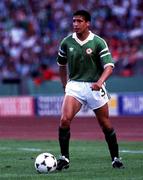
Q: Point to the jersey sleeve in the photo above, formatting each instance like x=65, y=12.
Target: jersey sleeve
x=105, y=55
x=62, y=54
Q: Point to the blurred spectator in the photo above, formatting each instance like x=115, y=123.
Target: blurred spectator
x=42, y=74
x=30, y=32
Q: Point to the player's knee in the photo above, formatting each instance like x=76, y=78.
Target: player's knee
x=109, y=131
x=65, y=122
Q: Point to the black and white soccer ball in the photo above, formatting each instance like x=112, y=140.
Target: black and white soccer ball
x=45, y=163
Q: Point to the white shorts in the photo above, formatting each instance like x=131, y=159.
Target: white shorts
x=83, y=93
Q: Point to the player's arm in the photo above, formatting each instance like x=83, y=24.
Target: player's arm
x=107, y=63
x=62, y=62
x=63, y=75
x=104, y=76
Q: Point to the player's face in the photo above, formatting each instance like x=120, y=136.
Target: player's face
x=80, y=25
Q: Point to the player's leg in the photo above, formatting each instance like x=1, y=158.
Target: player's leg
x=70, y=107
x=102, y=115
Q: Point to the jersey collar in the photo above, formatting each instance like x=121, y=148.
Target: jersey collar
x=90, y=37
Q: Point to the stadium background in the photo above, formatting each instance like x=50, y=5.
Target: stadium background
x=30, y=90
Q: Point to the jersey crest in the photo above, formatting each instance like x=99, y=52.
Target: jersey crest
x=89, y=51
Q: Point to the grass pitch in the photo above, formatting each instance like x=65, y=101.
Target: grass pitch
x=90, y=160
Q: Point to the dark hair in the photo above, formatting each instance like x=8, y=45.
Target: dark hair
x=85, y=14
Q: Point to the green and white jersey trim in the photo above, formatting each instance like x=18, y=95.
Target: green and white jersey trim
x=61, y=53
x=90, y=37
x=108, y=64
x=105, y=52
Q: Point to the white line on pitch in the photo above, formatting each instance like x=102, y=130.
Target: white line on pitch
x=132, y=151
x=22, y=149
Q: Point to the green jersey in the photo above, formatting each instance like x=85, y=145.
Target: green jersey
x=86, y=59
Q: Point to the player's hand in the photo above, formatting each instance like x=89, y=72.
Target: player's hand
x=96, y=86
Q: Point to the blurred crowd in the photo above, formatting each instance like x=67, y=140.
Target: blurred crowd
x=31, y=30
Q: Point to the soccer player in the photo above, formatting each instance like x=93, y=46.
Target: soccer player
x=89, y=66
